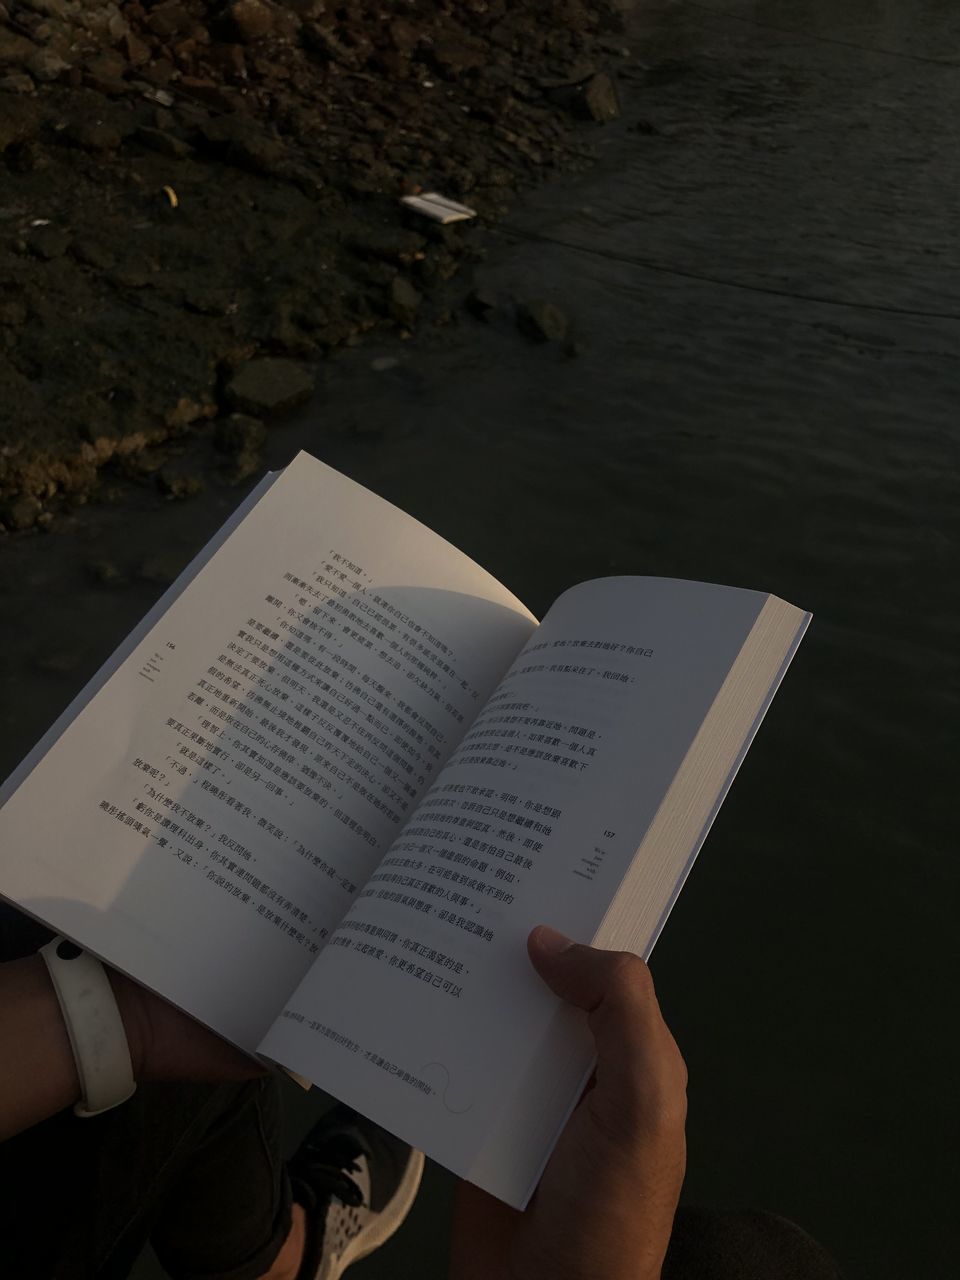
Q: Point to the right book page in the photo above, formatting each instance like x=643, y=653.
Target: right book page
x=579, y=798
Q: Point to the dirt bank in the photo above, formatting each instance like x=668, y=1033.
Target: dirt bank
x=190, y=189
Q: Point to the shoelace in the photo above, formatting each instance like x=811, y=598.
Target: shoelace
x=328, y=1170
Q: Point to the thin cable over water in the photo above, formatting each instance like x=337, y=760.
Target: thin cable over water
x=810, y=35
x=662, y=268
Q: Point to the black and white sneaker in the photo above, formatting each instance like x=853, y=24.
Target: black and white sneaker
x=357, y=1183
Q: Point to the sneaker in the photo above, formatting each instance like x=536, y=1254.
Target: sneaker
x=357, y=1183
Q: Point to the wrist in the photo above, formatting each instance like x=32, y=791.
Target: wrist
x=41, y=1077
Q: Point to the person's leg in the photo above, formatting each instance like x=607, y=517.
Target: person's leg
x=195, y=1168
x=198, y=1166
x=82, y=1197
x=749, y=1245
x=226, y=1207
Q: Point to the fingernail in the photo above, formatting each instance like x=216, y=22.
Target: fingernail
x=552, y=941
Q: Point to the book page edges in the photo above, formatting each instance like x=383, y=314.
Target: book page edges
x=697, y=792
x=136, y=636
x=648, y=892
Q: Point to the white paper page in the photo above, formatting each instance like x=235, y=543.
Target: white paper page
x=205, y=821
x=423, y=1011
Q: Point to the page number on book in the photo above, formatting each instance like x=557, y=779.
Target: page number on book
x=589, y=866
x=151, y=667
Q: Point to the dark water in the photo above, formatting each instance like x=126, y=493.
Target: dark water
x=767, y=289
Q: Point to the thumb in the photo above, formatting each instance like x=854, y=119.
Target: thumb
x=614, y=988
x=582, y=975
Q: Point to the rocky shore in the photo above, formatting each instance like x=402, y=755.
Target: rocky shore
x=198, y=199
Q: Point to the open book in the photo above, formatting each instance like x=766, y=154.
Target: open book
x=320, y=796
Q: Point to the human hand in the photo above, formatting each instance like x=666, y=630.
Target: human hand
x=167, y=1044
x=604, y=1207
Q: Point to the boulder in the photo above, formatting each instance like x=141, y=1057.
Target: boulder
x=600, y=99
x=250, y=20
x=542, y=321
x=404, y=301
x=268, y=386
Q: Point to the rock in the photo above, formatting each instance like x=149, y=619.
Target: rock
x=110, y=86
x=50, y=242
x=171, y=19
x=94, y=135
x=393, y=245
x=241, y=466
x=17, y=122
x=176, y=480
x=27, y=157
x=13, y=48
x=210, y=300
x=229, y=59
x=283, y=330
x=240, y=433
x=600, y=99
x=542, y=321
x=166, y=144
x=118, y=27
x=218, y=97
x=185, y=412
x=49, y=8
x=404, y=35
x=404, y=300
x=269, y=386
x=141, y=464
x=155, y=76
x=456, y=57
x=132, y=276
x=106, y=65
x=106, y=573
x=481, y=303
x=241, y=438
x=91, y=253
x=242, y=143
x=306, y=9
x=46, y=66
x=136, y=52
x=20, y=512
x=251, y=20
x=17, y=82
x=12, y=311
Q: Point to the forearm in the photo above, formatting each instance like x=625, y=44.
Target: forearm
x=38, y=1076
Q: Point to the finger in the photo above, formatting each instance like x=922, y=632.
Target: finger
x=634, y=1048
x=589, y=977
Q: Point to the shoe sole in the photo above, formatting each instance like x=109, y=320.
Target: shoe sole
x=386, y=1222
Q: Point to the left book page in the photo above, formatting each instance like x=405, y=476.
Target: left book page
x=204, y=813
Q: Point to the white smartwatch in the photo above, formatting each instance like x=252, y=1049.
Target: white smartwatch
x=94, y=1025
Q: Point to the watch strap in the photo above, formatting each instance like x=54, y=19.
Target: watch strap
x=97, y=1035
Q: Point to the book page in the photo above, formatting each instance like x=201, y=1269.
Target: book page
x=423, y=1011
x=205, y=820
